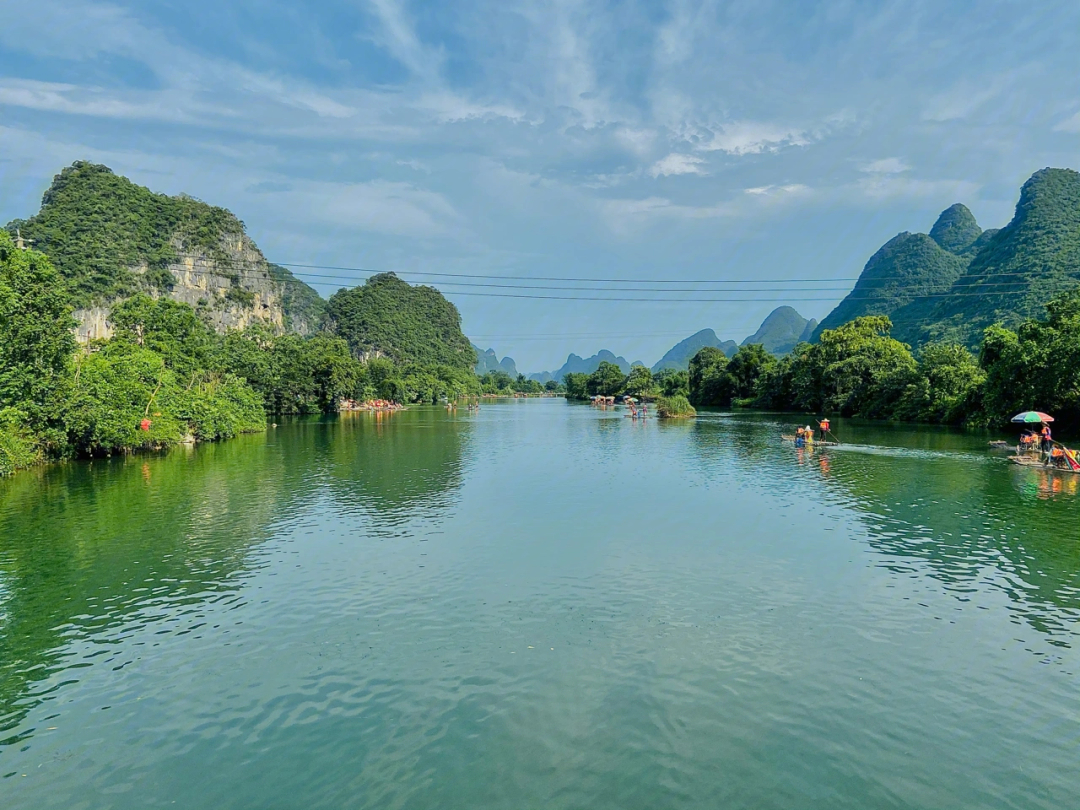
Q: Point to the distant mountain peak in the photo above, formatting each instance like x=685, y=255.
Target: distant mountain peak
x=956, y=229
x=781, y=330
x=678, y=357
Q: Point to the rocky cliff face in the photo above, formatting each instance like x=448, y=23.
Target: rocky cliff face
x=231, y=289
x=111, y=239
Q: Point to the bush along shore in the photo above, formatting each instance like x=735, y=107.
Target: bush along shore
x=166, y=377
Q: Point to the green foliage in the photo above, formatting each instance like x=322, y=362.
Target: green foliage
x=640, y=383
x=95, y=226
x=607, y=381
x=1022, y=267
x=946, y=387
x=20, y=447
x=36, y=339
x=305, y=310
x=121, y=385
x=897, y=280
x=294, y=374
x=1038, y=366
x=856, y=369
x=240, y=297
x=670, y=382
x=407, y=324
x=577, y=385
x=164, y=326
x=706, y=376
x=715, y=380
x=432, y=384
x=676, y=406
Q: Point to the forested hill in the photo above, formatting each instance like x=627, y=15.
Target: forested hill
x=907, y=268
x=1019, y=268
x=386, y=317
x=782, y=330
x=111, y=239
x=678, y=356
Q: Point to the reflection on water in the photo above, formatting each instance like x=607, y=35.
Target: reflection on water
x=939, y=496
x=395, y=465
x=542, y=605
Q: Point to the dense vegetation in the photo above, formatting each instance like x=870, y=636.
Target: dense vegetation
x=111, y=238
x=674, y=407
x=305, y=310
x=500, y=383
x=166, y=376
x=609, y=380
x=906, y=269
x=952, y=284
x=1017, y=271
x=386, y=317
x=96, y=226
x=859, y=369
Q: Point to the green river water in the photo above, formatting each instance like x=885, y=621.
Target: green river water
x=542, y=606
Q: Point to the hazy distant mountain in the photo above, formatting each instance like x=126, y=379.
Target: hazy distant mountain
x=542, y=377
x=808, y=331
x=489, y=361
x=678, y=357
x=780, y=331
x=578, y=365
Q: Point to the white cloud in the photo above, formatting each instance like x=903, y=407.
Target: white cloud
x=891, y=165
x=399, y=38
x=676, y=163
x=775, y=191
x=752, y=137
x=1069, y=124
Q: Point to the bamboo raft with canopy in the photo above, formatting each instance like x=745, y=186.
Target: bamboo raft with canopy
x=1029, y=453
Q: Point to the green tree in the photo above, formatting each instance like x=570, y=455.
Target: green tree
x=607, y=381
x=36, y=340
x=946, y=387
x=706, y=377
x=672, y=382
x=171, y=329
x=577, y=385
x=1038, y=366
x=856, y=369
x=744, y=370
x=640, y=382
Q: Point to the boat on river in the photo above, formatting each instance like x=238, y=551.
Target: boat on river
x=1038, y=462
x=814, y=443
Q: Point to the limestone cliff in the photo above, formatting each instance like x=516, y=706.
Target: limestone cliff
x=111, y=238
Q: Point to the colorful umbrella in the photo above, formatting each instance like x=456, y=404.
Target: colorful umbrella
x=1028, y=417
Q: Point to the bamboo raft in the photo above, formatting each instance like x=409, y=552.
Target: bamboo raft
x=814, y=443
x=1037, y=462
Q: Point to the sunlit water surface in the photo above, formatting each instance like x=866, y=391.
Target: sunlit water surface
x=542, y=606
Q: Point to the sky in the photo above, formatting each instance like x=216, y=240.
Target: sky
x=642, y=143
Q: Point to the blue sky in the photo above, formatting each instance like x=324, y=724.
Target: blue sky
x=631, y=140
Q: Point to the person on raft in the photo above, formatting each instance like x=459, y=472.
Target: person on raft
x=1047, y=440
x=823, y=426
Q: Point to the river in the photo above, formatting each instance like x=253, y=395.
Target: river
x=542, y=606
